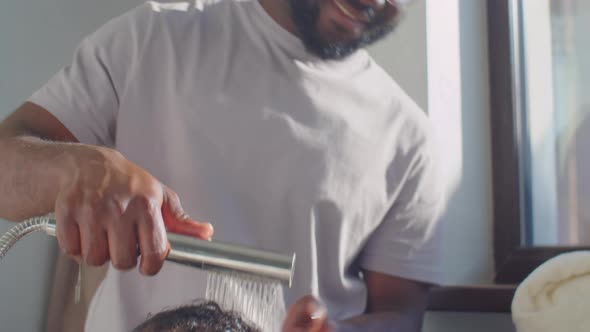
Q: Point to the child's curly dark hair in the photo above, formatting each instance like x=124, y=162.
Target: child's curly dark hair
x=202, y=317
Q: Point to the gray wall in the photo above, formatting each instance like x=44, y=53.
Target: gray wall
x=36, y=39
x=403, y=54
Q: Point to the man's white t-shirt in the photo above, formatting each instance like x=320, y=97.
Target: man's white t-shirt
x=278, y=149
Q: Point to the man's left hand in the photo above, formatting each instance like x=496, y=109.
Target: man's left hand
x=307, y=315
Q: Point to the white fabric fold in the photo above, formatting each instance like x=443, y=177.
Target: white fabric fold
x=556, y=296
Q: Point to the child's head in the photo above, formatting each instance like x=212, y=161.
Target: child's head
x=203, y=317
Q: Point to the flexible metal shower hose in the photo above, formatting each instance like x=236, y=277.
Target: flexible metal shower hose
x=21, y=230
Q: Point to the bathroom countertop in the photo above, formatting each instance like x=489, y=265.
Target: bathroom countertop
x=472, y=298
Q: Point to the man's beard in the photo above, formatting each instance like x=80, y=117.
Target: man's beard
x=305, y=15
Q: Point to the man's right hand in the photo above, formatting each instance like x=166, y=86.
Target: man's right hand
x=108, y=208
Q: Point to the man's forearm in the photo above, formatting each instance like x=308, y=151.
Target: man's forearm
x=30, y=176
x=382, y=322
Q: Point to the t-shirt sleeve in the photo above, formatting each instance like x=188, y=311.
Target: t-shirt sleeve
x=84, y=95
x=407, y=243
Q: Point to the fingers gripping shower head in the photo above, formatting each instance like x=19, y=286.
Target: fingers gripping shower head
x=187, y=251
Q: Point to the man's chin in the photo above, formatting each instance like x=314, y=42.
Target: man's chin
x=334, y=48
x=331, y=51
x=328, y=49
x=340, y=50
x=307, y=18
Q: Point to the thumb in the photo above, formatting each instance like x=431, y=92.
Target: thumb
x=177, y=221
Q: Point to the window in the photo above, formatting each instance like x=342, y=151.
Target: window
x=556, y=52
x=540, y=72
